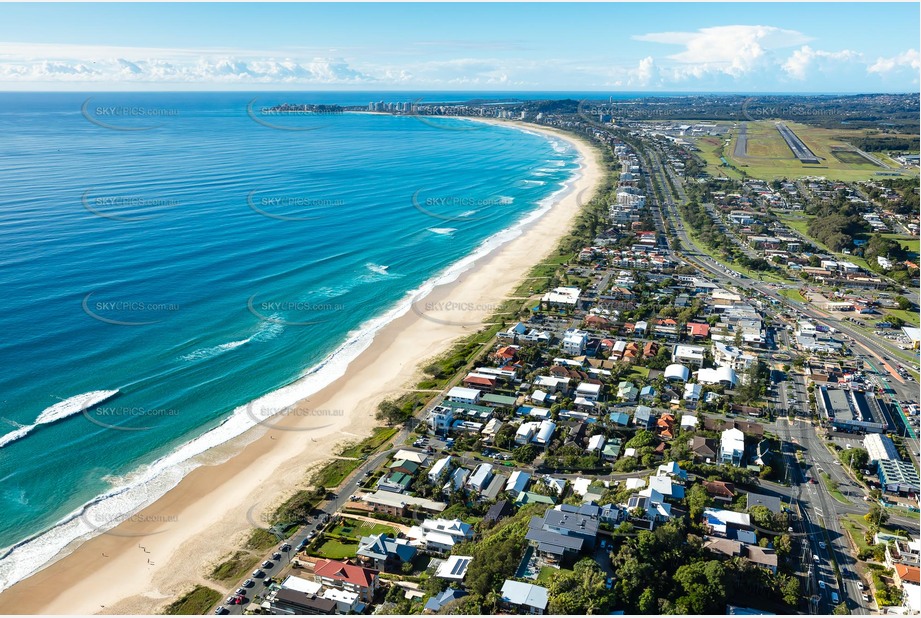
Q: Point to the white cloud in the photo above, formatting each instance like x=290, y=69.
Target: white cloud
x=77, y=63
x=731, y=50
x=645, y=71
x=907, y=59
x=801, y=60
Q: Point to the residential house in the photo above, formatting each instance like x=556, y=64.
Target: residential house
x=517, y=483
x=436, y=602
x=688, y=354
x=626, y=391
x=771, y=503
x=723, y=523
x=454, y=568
x=732, y=447
x=401, y=505
x=439, y=535
x=481, y=477
x=564, y=531
x=286, y=602
x=345, y=576
x=464, y=395
x=521, y=598
x=644, y=417
x=720, y=490
x=383, y=552
x=704, y=449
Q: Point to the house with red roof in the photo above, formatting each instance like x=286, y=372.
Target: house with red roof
x=345, y=576
x=697, y=330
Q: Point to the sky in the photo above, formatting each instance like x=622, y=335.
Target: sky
x=665, y=47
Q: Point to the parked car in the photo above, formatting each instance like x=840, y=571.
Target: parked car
x=220, y=610
x=249, y=583
x=285, y=547
x=258, y=574
x=268, y=564
x=276, y=556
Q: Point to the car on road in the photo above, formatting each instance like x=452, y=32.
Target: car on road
x=268, y=564
x=249, y=583
x=285, y=547
x=821, y=544
x=258, y=574
x=241, y=592
x=866, y=597
x=276, y=556
x=834, y=597
x=220, y=610
x=815, y=557
x=822, y=585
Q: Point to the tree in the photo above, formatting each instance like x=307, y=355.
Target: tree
x=841, y=610
x=877, y=516
x=855, y=458
x=525, y=454
x=703, y=586
x=783, y=544
x=697, y=499
x=790, y=590
x=389, y=412
x=903, y=302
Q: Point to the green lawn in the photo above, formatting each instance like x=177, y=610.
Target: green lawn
x=792, y=295
x=910, y=317
x=356, y=529
x=336, y=550
x=854, y=525
x=196, y=602
x=641, y=373
x=912, y=244
x=548, y=574
x=833, y=489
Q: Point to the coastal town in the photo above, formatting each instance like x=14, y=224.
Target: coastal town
x=705, y=403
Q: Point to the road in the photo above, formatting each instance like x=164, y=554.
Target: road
x=821, y=513
x=877, y=349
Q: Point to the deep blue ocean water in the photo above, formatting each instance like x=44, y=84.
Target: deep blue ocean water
x=206, y=260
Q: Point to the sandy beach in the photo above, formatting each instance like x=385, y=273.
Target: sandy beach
x=149, y=560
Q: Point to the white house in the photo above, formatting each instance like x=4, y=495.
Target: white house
x=596, y=443
x=464, y=395
x=688, y=354
x=574, y=342
x=441, y=466
x=731, y=356
x=591, y=392
x=732, y=446
x=562, y=297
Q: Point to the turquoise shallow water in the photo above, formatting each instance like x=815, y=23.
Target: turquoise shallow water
x=205, y=262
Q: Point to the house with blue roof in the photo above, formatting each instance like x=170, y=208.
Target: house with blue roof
x=441, y=599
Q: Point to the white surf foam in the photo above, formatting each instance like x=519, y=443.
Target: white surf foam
x=59, y=411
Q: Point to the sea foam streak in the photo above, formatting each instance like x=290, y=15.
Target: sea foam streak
x=268, y=331
x=444, y=231
x=152, y=481
x=59, y=411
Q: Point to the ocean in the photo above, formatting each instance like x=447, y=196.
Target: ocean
x=169, y=258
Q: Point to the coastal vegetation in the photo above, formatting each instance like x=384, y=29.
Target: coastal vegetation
x=235, y=567
x=193, y=603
